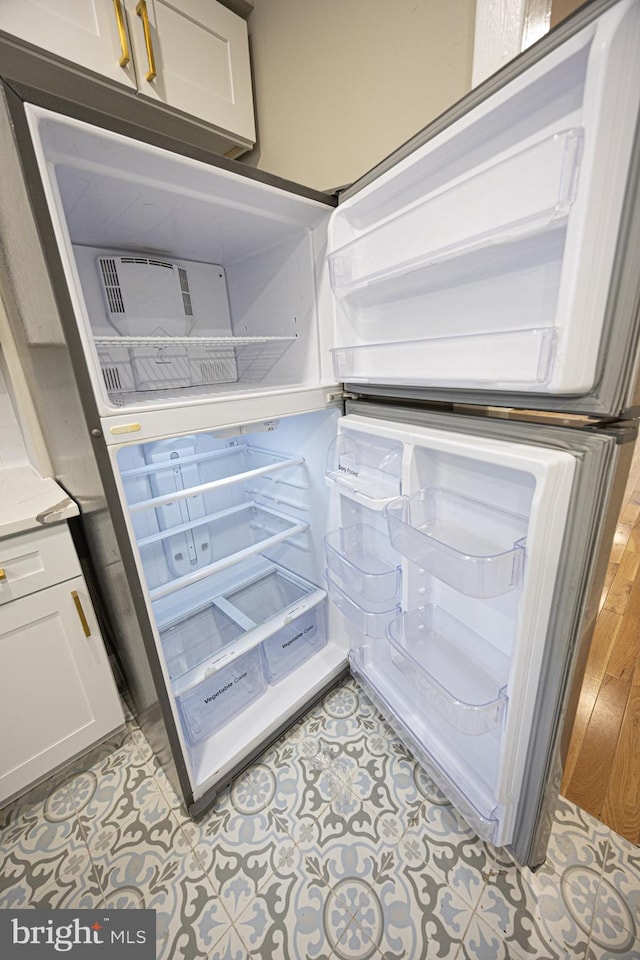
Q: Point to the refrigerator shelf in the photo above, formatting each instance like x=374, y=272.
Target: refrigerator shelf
x=458, y=672
x=250, y=527
x=362, y=556
x=135, y=368
x=527, y=354
x=484, y=207
x=476, y=548
x=365, y=468
x=237, y=472
x=371, y=617
x=260, y=605
x=484, y=823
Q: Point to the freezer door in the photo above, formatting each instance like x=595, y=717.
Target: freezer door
x=501, y=535
x=496, y=261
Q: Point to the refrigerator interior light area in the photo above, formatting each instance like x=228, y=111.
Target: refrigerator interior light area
x=263, y=540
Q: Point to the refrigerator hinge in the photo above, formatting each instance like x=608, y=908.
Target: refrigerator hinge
x=338, y=396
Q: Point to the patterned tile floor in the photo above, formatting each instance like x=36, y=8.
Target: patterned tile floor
x=334, y=846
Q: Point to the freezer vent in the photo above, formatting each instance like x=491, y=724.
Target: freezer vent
x=216, y=371
x=112, y=378
x=112, y=285
x=147, y=261
x=186, y=293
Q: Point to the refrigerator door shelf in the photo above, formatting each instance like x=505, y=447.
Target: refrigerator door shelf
x=474, y=547
x=362, y=557
x=458, y=672
x=496, y=210
x=365, y=468
x=370, y=617
x=472, y=801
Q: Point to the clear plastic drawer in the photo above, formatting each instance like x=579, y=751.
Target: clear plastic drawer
x=459, y=673
x=363, y=557
x=298, y=640
x=474, y=547
x=226, y=692
x=196, y=636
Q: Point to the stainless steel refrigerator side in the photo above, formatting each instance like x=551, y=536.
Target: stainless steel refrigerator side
x=603, y=455
x=565, y=661
x=43, y=323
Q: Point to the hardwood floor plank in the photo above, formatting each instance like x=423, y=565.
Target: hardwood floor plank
x=620, y=541
x=625, y=648
x=618, y=595
x=633, y=542
x=621, y=807
x=612, y=569
x=603, y=644
x=630, y=513
x=590, y=778
x=588, y=696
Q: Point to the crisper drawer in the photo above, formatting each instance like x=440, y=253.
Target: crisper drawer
x=226, y=692
x=292, y=645
x=35, y=560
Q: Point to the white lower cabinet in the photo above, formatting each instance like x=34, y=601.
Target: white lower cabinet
x=57, y=693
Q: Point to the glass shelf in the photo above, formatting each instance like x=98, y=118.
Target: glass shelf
x=458, y=672
x=474, y=547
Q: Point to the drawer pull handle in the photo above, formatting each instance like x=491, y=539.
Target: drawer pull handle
x=3, y=574
x=81, y=613
x=141, y=10
x=122, y=34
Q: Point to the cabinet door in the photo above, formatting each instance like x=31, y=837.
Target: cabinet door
x=84, y=31
x=57, y=693
x=201, y=58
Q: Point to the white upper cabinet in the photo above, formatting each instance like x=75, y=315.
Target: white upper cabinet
x=91, y=33
x=195, y=59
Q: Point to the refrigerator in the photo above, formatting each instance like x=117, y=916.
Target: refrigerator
x=386, y=436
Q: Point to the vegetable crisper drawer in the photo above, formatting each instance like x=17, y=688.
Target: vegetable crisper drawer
x=196, y=636
x=362, y=557
x=457, y=672
x=476, y=548
x=298, y=640
x=221, y=696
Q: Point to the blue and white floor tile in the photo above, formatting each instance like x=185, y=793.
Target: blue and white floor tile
x=333, y=846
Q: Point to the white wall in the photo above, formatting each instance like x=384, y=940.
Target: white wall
x=340, y=83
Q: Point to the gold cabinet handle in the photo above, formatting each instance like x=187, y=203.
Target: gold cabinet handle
x=141, y=10
x=122, y=34
x=3, y=574
x=81, y=613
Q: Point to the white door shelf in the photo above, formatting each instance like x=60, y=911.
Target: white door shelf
x=364, y=468
x=468, y=544
x=459, y=673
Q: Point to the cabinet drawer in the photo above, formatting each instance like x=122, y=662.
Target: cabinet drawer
x=37, y=559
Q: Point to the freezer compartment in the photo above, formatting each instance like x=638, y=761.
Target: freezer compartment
x=371, y=617
x=365, y=467
x=220, y=697
x=487, y=205
x=458, y=672
x=450, y=771
x=362, y=557
x=228, y=306
x=461, y=541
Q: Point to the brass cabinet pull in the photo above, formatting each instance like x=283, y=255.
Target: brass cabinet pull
x=81, y=613
x=3, y=573
x=122, y=33
x=141, y=10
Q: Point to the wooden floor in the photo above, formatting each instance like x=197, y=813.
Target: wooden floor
x=602, y=773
